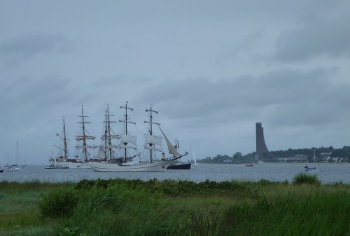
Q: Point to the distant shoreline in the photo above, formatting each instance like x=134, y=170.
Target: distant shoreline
x=275, y=163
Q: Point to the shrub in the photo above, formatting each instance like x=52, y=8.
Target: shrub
x=303, y=178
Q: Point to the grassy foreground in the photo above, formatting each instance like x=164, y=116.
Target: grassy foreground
x=135, y=207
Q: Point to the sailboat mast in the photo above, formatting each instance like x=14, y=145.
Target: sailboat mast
x=17, y=153
x=150, y=128
x=314, y=157
x=126, y=124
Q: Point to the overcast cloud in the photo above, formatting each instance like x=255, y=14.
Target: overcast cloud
x=211, y=70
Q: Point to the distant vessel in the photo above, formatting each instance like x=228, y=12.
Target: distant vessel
x=310, y=169
x=152, y=143
x=14, y=168
x=64, y=162
x=179, y=165
x=251, y=160
x=1, y=164
x=61, y=161
x=55, y=165
x=194, y=158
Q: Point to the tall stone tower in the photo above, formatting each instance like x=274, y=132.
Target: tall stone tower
x=260, y=140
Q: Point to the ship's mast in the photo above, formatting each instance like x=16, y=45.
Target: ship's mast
x=107, y=136
x=126, y=124
x=64, y=139
x=84, y=137
x=150, y=128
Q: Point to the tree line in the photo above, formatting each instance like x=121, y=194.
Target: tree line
x=322, y=154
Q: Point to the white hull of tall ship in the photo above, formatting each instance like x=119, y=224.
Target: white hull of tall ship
x=155, y=166
x=73, y=165
x=58, y=163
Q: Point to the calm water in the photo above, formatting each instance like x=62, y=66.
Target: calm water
x=331, y=173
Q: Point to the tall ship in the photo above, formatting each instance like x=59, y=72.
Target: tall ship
x=153, y=144
x=63, y=161
x=83, y=146
x=60, y=162
x=106, y=151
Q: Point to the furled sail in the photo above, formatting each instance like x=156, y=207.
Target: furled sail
x=87, y=146
x=111, y=136
x=171, y=148
x=79, y=138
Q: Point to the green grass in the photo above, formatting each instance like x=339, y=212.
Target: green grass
x=135, y=207
x=19, y=207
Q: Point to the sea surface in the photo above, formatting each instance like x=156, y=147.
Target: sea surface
x=330, y=173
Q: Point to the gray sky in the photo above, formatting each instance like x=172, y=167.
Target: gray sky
x=212, y=69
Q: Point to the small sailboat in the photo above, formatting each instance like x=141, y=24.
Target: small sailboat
x=312, y=169
x=55, y=165
x=1, y=164
x=15, y=167
x=194, y=158
x=250, y=162
x=152, y=143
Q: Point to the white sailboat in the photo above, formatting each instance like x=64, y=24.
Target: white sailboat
x=14, y=168
x=312, y=169
x=194, y=157
x=152, y=143
x=1, y=164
